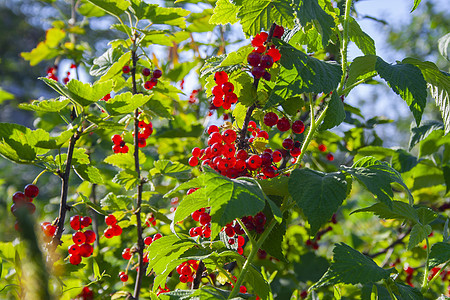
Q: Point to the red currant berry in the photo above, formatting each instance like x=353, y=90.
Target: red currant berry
x=283, y=125
x=78, y=238
x=241, y=241
x=86, y=250
x=75, y=259
x=266, y=159
x=322, y=148
x=267, y=76
x=275, y=54
x=183, y=278
x=90, y=236
x=148, y=85
x=123, y=277
x=242, y=289
x=254, y=59
x=212, y=128
x=148, y=240
x=295, y=152
x=20, y=197
x=240, y=250
x=126, y=69
x=266, y=61
x=288, y=144
x=204, y=218
x=157, y=236
x=258, y=72
x=74, y=249
x=298, y=127
x=157, y=73
x=108, y=233
x=228, y=88
x=186, y=270
x=330, y=157
x=218, y=91
x=116, y=229
x=86, y=221
x=263, y=134
x=49, y=229
x=75, y=222
x=110, y=220
x=193, y=161
x=269, y=172
x=254, y=162
x=229, y=136
x=31, y=190
x=220, y=77
x=116, y=139
x=278, y=32
x=146, y=72
x=196, y=152
x=277, y=156
x=270, y=119
x=126, y=254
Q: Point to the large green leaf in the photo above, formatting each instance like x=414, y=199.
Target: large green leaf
x=256, y=15
x=113, y=7
x=103, y=63
x=309, y=11
x=318, y=194
x=439, y=84
x=169, y=168
x=124, y=160
x=53, y=105
x=166, y=15
x=440, y=253
x=421, y=132
x=400, y=211
x=4, y=95
x=124, y=103
x=255, y=279
x=224, y=12
x=335, y=114
x=377, y=177
x=403, y=161
x=311, y=267
x=407, y=292
x=362, y=40
x=351, y=267
x=89, y=173
x=301, y=73
x=407, y=81
x=362, y=68
x=418, y=233
x=112, y=202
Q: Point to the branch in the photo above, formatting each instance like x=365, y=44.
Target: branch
x=198, y=275
x=398, y=241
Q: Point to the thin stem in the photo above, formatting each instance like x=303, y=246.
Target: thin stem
x=398, y=241
x=63, y=208
x=39, y=175
x=425, y=273
x=349, y=88
x=345, y=40
x=137, y=213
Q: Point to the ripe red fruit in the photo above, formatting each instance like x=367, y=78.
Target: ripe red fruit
x=75, y=222
x=270, y=119
x=242, y=154
x=126, y=69
x=275, y=54
x=266, y=61
x=110, y=220
x=254, y=162
x=298, y=127
x=86, y=250
x=266, y=159
x=196, y=151
x=240, y=250
x=123, y=277
x=228, y=87
x=283, y=125
x=213, y=128
x=254, y=59
x=126, y=253
x=90, y=236
x=288, y=144
x=263, y=134
x=78, y=238
x=20, y=197
x=241, y=241
x=116, y=139
x=75, y=259
x=278, y=32
x=220, y=77
x=146, y=72
x=108, y=233
x=330, y=157
x=186, y=270
x=218, y=91
x=148, y=240
x=48, y=229
x=277, y=156
x=218, y=101
x=267, y=76
x=295, y=152
x=74, y=249
x=157, y=73
x=193, y=161
x=269, y=172
x=322, y=148
x=229, y=136
x=204, y=218
x=31, y=190
x=116, y=229
x=148, y=85
x=242, y=289
x=258, y=72
x=86, y=221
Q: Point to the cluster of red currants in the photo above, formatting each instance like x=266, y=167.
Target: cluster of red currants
x=113, y=228
x=255, y=223
x=323, y=148
x=49, y=230
x=86, y=294
x=234, y=234
x=151, y=220
x=187, y=271
x=24, y=200
x=66, y=79
x=149, y=84
x=264, y=56
x=51, y=72
x=145, y=131
x=223, y=92
x=83, y=241
x=119, y=144
x=203, y=218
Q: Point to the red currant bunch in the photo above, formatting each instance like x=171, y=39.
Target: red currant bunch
x=223, y=92
x=119, y=144
x=23, y=200
x=204, y=218
x=262, y=57
x=187, y=271
x=149, y=84
x=51, y=73
x=145, y=130
x=83, y=240
x=151, y=220
x=113, y=228
x=86, y=294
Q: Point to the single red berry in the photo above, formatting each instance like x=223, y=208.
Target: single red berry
x=204, y=218
x=241, y=241
x=146, y=72
x=288, y=144
x=75, y=259
x=86, y=221
x=110, y=220
x=31, y=190
x=330, y=157
x=283, y=124
x=322, y=148
x=157, y=236
x=186, y=270
x=193, y=161
x=49, y=229
x=258, y=72
x=296, y=151
x=228, y=87
x=266, y=76
x=123, y=277
x=229, y=231
x=108, y=233
x=266, y=159
x=75, y=222
x=86, y=250
x=298, y=127
x=116, y=229
x=229, y=136
x=269, y=172
x=240, y=250
x=220, y=77
x=126, y=254
x=270, y=119
x=20, y=197
x=126, y=69
x=116, y=139
x=183, y=278
x=304, y=294
x=74, y=249
x=275, y=54
x=254, y=162
x=148, y=85
x=78, y=238
x=212, y=128
x=157, y=73
x=218, y=91
x=278, y=32
x=266, y=61
x=263, y=134
x=196, y=152
x=254, y=59
x=90, y=236
x=277, y=156
x=148, y=240
x=242, y=289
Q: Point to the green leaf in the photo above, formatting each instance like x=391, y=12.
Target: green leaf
x=274, y=242
x=191, y=203
x=416, y=4
x=421, y=132
x=166, y=15
x=124, y=103
x=426, y=215
x=18, y=143
x=124, y=160
x=4, y=95
x=87, y=94
x=309, y=11
x=56, y=142
x=113, y=7
x=104, y=63
x=301, y=73
x=439, y=84
x=127, y=178
x=172, y=169
x=406, y=291
x=439, y=254
x=255, y=279
x=407, y=81
x=403, y=161
x=444, y=44
x=377, y=177
x=89, y=173
x=47, y=49
x=362, y=40
x=92, y=205
x=400, y=211
x=305, y=36
x=54, y=105
x=112, y=202
x=362, y=68
x=224, y=12
x=335, y=114
x=318, y=194
x=256, y=15
x=351, y=267
x=311, y=267
x=418, y=233
x=96, y=269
